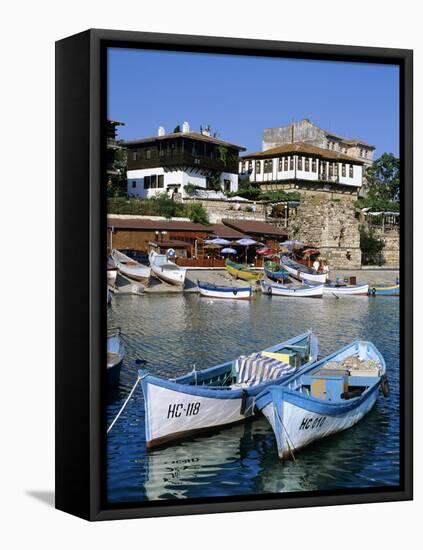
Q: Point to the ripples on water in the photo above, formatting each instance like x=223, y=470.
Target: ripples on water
x=174, y=332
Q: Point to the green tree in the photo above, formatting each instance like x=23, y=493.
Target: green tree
x=384, y=173
x=371, y=247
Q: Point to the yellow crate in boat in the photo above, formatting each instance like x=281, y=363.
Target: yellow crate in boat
x=282, y=357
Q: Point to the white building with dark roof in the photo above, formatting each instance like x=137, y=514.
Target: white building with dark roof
x=298, y=165
x=171, y=162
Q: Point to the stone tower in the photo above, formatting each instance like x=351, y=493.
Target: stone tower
x=329, y=224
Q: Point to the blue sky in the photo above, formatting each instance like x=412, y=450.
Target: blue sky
x=239, y=96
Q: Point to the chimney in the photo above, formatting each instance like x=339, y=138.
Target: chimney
x=185, y=128
x=161, y=131
x=206, y=131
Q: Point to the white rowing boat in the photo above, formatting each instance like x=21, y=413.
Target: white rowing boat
x=301, y=291
x=211, y=290
x=345, y=290
x=166, y=270
x=302, y=272
x=131, y=268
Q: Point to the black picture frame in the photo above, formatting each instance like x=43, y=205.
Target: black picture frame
x=80, y=257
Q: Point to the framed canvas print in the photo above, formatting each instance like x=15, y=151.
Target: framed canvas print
x=234, y=274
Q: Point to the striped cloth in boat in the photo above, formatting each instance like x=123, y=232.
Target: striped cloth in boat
x=255, y=369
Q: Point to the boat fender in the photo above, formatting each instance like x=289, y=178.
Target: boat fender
x=373, y=291
x=235, y=292
x=269, y=290
x=351, y=394
x=244, y=396
x=384, y=385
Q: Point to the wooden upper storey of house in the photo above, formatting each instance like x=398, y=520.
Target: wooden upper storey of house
x=301, y=149
x=183, y=149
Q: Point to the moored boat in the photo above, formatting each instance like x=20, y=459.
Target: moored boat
x=166, y=270
x=215, y=397
x=275, y=271
x=115, y=356
x=240, y=271
x=300, y=291
x=211, y=290
x=345, y=290
x=131, y=268
x=393, y=290
x=325, y=398
x=302, y=272
x=112, y=270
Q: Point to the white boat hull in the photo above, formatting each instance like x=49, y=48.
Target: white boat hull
x=111, y=276
x=167, y=271
x=308, y=292
x=131, y=268
x=178, y=414
x=236, y=294
x=301, y=426
x=345, y=290
x=313, y=278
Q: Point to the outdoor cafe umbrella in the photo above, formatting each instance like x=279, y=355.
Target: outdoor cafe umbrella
x=310, y=252
x=294, y=243
x=266, y=251
x=218, y=240
x=228, y=251
x=246, y=242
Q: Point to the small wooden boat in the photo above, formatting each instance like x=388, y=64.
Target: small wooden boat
x=393, y=290
x=131, y=268
x=166, y=270
x=210, y=399
x=345, y=290
x=211, y=290
x=301, y=291
x=325, y=398
x=275, y=271
x=240, y=271
x=115, y=356
x=302, y=272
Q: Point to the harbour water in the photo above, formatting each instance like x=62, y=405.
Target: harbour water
x=174, y=332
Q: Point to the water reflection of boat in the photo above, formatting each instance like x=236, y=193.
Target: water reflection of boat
x=325, y=398
x=221, y=395
x=203, y=464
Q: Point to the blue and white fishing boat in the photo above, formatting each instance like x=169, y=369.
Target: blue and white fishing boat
x=275, y=271
x=115, y=356
x=302, y=272
x=219, y=396
x=211, y=290
x=345, y=290
x=300, y=291
x=324, y=398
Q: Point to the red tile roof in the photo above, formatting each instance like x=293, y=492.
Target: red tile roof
x=155, y=225
x=256, y=227
x=301, y=147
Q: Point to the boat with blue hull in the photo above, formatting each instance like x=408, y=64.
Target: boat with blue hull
x=393, y=290
x=275, y=271
x=325, y=398
x=219, y=396
x=210, y=290
x=115, y=356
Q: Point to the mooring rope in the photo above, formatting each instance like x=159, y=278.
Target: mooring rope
x=124, y=405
